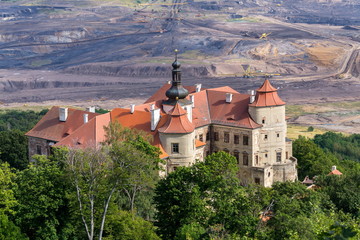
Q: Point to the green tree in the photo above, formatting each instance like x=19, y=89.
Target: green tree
x=8, y=230
x=206, y=196
x=126, y=163
x=312, y=160
x=344, y=191
x=19, y=120
x=141, y=162
x=344, y=147
x=7, y=198
x=14, y=149
x=123, y=225
x=298, y=213
x=42, y=211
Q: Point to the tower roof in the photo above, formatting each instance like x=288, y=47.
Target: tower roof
x=176, y=91
x=267, y=87
x=267, y=96
x=177, y=122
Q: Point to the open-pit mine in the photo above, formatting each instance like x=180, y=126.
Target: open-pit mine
x=117, y=52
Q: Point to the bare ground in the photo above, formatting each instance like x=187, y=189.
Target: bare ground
x=83, y=53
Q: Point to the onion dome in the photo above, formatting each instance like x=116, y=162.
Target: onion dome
x=176, y=91
x=267, y=96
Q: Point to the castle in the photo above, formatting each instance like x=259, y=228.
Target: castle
x=188, y=123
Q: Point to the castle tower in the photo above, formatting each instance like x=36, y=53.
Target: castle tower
x=271, y=146
x=269, y=110
x=177, y=136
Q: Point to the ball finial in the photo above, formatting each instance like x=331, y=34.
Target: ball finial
x=176, y=64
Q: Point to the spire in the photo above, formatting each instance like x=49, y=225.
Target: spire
x=176, y=91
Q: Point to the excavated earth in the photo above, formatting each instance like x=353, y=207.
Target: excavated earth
x=114, y=53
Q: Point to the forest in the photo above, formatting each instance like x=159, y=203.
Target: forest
x=114, y=191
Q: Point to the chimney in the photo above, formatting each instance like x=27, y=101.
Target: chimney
x=152, y=107
x=132, y=108
x=188, y=110
x=169, y=82
x=155, y=118
x=198, y=87
x=229, y=97
x=333, y=168
x=90, y=109
x=86, y=118
x=192, y=99
x=252, y=96
x=63, y=114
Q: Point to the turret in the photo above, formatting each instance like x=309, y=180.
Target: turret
x=269, y=110
x=177, y=136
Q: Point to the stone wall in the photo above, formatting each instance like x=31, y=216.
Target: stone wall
x=285, y=172
x=38, y=146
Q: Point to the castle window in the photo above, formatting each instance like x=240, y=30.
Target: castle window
x=38, y=150
x=236, y=139
x=287, y=155
x=266, y=155
x=263, y=120
x=226, y=137
x=265, y=137
x=269, y=174
x=245, y=140
x=278, y=135
x=207, y=136
x=278, y=157
x=175, y=148
x=216, y=136
x=245, y=159
x=174, y=168
x=257, y=159
x=257, y=180
x=236, y=155
x=201, y=137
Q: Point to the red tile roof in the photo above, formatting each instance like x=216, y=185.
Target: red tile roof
x=177, y=122
x=267, y=87
x=139, y=119
x=89, y=134
x=234, y=113
x=160, y=94
x=199, y=143
x=52, y=129
x=335, y=172
x=267, y=96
